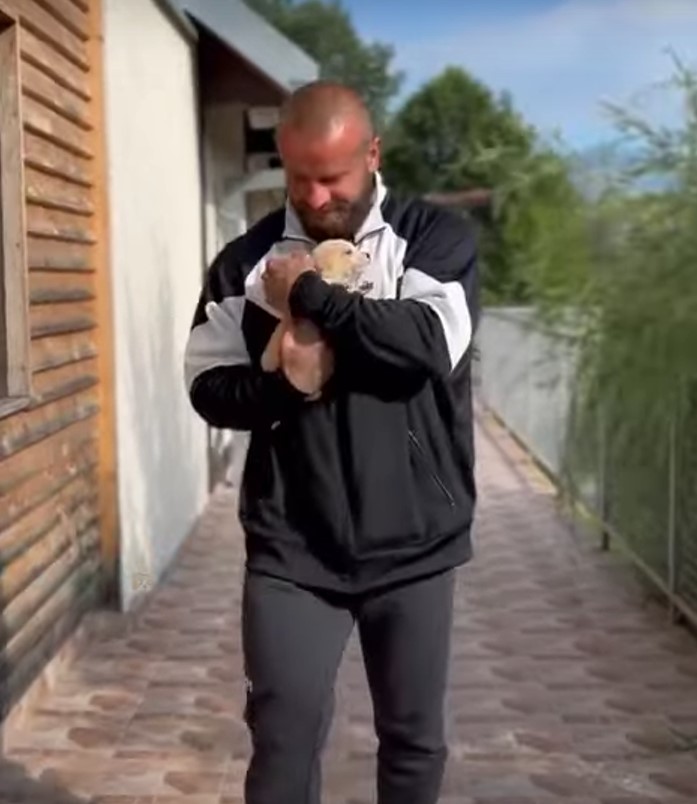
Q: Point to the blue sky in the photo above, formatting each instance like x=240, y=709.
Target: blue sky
x=560, y=59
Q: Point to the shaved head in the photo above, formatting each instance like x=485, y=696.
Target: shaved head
x=330, y=153
x=321, y=107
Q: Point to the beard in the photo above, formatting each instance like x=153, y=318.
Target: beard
x=340, y=219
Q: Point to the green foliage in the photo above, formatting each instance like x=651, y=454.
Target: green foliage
x=540, y=225
x=436, y=136
x=455, y=134
x=638, y=316
x=325, y=31
x=644, y=299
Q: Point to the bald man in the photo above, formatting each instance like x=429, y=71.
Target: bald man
x=356, y=506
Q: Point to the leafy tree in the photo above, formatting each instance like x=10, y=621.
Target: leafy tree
x=325, y=31
x=456, y=134
x=435, y=137
x=540, y=248
x=637, y=316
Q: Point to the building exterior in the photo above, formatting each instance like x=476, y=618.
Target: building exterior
x=130, y=150
x=58, y=542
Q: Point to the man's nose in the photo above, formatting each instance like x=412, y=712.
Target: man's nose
x=317, y=196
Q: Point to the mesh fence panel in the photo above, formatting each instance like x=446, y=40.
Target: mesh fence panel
x=638, y=475
x=686, y=508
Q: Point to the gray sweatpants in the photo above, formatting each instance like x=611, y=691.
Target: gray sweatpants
x=294, y=639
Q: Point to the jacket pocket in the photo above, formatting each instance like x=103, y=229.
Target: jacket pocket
x=427, y=464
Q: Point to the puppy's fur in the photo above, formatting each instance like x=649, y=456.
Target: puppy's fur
x=338, y=262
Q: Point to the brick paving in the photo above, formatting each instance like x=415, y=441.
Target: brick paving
x=568, y=684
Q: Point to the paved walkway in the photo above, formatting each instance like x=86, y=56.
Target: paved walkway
x=567, y=685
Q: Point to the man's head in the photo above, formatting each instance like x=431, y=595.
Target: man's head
x=330, y=153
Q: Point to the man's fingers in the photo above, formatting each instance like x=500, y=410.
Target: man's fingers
x=273, y=266
x=305, y=332
x=287, y=266
x=277, y=264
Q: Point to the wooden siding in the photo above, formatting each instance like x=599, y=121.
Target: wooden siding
x=57, y=506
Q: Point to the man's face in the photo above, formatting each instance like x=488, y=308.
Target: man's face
x=330, y=179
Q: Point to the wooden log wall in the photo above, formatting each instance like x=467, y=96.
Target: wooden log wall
x=57, y=501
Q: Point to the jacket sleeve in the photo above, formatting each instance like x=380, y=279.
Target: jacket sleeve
x=226, y=389
x=423, y=333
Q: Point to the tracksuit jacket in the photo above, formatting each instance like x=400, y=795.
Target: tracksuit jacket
x=373, y=483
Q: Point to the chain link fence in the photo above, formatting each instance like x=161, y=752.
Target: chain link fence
x=636, y=476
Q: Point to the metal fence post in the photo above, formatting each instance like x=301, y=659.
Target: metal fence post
x=601, y=477
x=672, y=530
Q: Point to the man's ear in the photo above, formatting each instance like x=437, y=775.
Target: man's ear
x=374, y=150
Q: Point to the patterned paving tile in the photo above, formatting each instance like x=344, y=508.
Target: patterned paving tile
x=566, y=686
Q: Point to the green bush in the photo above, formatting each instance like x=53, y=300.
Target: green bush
x=637, y=311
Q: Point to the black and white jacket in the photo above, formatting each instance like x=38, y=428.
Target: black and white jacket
x=374, y=483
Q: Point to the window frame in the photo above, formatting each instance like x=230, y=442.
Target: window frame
x=15, y=371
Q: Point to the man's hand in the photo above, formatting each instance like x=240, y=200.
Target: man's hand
x=281, y=274
x=306, y=359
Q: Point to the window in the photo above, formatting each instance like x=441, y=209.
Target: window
x=14, y=313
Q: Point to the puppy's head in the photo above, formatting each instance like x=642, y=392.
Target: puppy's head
x=339, y=260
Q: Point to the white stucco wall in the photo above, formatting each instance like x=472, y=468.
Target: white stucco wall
x=157, y=256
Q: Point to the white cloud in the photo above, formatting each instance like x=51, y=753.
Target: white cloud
x=562, y=62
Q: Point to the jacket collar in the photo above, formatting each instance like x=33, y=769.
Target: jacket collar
x=373, y=223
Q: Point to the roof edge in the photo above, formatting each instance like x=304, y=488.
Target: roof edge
x=178, y=18
x=247, y=34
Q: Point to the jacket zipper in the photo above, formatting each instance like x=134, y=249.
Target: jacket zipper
x=415, y=441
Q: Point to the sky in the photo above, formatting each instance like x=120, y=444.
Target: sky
x=560, y=59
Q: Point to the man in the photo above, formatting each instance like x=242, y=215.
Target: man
x=356, y=507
